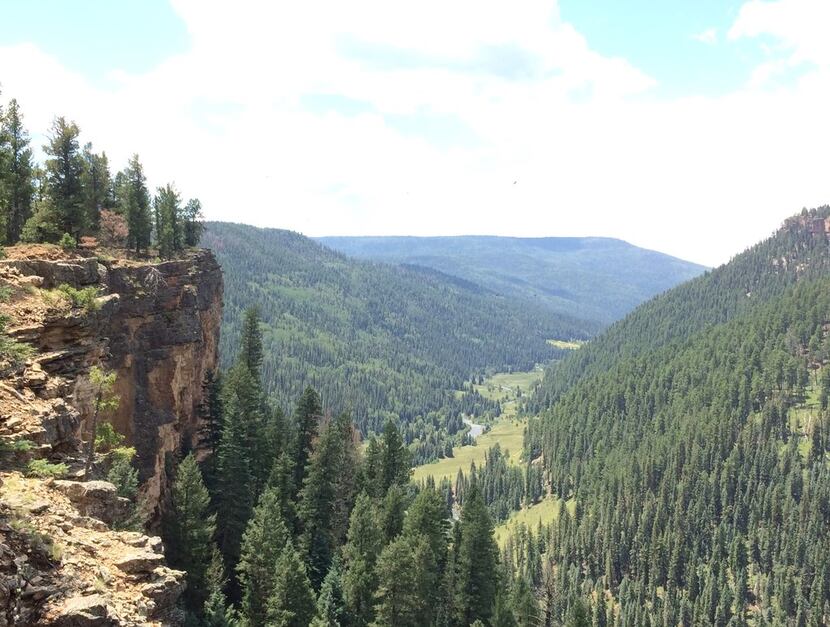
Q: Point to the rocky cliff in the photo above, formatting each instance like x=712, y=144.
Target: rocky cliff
x=156, y=325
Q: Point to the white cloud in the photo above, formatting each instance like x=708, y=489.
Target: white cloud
x=591, y=150
x=799, y=27
x=708, y=36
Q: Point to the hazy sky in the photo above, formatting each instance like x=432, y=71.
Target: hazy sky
x=693, y=128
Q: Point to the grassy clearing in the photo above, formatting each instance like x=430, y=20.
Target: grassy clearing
x=571, y=345
x=545, y=511
x=508, y=388
x=508, y=431
x=508, y=434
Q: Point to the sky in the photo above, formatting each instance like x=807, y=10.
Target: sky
x=692, y=128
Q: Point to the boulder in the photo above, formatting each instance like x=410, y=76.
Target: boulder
x=164, y=591
x=140, y=562
x=96, y=499
x=89, y=611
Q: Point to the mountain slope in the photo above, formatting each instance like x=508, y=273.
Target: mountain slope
x=752, y=278
x=695, y=443
x=588, y=277
x=376, y=339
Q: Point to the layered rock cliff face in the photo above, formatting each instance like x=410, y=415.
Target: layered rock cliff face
x=156, y=325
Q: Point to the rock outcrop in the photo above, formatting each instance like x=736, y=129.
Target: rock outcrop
x=155, y=324
x=61, y=568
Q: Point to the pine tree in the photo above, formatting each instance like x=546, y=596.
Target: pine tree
x=393, y=512
x=134, y=199
x=524, y=603
x=17, y=189
x=330, y=604
x=96, y=185
x=168, y=232
x=324, y=495
x=64, y=168
x=250, y=352
x=396, y=464
x=306, y=417
x=360, y=556
x=578, y=615
x=216, y=612
x=192, y=224
x=234, y=492
x=477, y=561
x=293, y=603
x=427, y=516
x=264, y=540
x=189, y=530
x=210, y=414
x=399, y=594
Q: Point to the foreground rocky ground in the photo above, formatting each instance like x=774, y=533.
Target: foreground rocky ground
x=63, y=560
x=62, y=565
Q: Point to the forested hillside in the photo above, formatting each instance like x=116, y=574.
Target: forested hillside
x=597, y=278
x=378, y=340
x=796, y=251
x=694, y=438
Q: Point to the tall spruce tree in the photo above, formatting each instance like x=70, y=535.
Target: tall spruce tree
x=360, y=554
x=216, y=612
x=396, y=464
x=234, y=491
x=166, y=205
x=478, y=579
x=330, y=605
x=405, y=572
x=210, y=433
x=324, y=496
x=64, y=169
x=17, y=188
x=293, y=603
x=96, y=184
x=265, y=538
x=192, y=222
x=134, y=199
x=427, y=516
x=250, y=353
x=189, y=530
x=307, y=416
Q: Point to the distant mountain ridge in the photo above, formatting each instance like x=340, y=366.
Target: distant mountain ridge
x=594, y=278
x=377, y=339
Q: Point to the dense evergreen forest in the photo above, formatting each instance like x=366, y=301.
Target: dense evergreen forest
x=291, y=522
x=378, y=340
x=751, y=279
x=594, y=278
x=73, y=199
x=694, y=439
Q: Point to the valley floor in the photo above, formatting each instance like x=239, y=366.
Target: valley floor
x=508, y=431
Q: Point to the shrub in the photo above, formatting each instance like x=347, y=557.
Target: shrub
x=67, y=242
x=107, y=438
x=124, y=477
x=44, y=469
x=85, y=298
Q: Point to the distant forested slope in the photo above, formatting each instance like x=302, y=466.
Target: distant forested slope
x=376, y=339
x=589, y=277
x=694, y=439
x=752, y=278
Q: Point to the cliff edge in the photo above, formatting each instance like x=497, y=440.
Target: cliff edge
x=156, y=326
